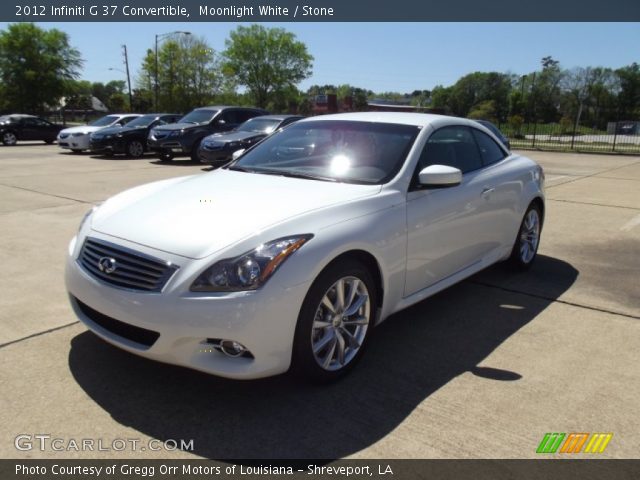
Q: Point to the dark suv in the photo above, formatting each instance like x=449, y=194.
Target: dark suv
x=183, y=138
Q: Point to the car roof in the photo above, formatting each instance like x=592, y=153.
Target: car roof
x=404, y=118
x=223, y=107
x=274, y=117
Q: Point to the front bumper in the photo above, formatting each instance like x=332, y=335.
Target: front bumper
x=166, y=144
x=263, y=320
x=80, y=142
x=216, y=154
x=113, y=145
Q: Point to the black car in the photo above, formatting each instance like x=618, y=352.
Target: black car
x=496, y=131
x=219, y=147
x=132, y=138
x=27, y=127
x=184, y=137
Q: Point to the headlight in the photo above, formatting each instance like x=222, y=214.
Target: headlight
x=175, y=133
x=87, y=216
x=251, y=270
x=233, y=144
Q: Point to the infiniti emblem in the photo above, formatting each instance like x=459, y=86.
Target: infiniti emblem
x=107, y=265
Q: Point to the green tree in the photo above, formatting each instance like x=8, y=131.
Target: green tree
x=189, y=74
x=266, y=60
x=36, y=66
x=629, y=95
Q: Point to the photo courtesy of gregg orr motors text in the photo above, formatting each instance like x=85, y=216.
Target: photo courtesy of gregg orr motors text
x=26, y=442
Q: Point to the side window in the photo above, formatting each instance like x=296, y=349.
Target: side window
x=245, y=115
x=453, y=146
x=489, y=149
x=126, y=120
x=230, y=117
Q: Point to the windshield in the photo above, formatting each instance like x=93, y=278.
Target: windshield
x=104, y=121
x=198, y=116
x=336, y=150
x=143, y=121
x=261, y=125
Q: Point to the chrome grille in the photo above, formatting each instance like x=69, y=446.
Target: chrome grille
x=131, y=270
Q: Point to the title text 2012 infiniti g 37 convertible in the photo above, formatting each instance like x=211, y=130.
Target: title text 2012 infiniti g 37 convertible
x=291, y=254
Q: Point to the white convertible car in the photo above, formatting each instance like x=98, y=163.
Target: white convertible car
x=288, y=256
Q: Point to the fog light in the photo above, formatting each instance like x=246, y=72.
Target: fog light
x=231, y=348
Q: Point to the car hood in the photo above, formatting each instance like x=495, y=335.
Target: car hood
x=82, y=128
x=197, y=216
x=234, y=136
x=116, y=130
x=179, y=126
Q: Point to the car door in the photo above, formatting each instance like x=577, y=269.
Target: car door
x=445, y=228
x=28, y=129
x=502, y=188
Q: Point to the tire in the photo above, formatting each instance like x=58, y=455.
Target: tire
x=194, y=151
x=525, y=248
x=9, y=139
x=166, y=156
x=49, y=142
x=329, y=341
x=135, y=149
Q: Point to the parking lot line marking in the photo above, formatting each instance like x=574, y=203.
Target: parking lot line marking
x=555, y=300
x=37, y=334
x=578, y=178
x=47, y=194
x=591, y=203
x=634, y=222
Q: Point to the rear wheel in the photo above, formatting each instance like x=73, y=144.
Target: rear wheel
x=526, y=247
x=335, y=322
x=135, y=149
x=9, y=139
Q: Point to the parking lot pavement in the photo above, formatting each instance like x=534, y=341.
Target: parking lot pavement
x=483, y=369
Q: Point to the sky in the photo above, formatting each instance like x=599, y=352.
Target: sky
x=383, y=57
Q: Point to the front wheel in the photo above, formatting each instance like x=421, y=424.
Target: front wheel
x=526, y=247
x=166, y=156
x=135, y=149
x=335, y=322
x=9, y=139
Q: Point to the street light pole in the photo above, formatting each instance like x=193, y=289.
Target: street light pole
x=158, y=37
x=128, y=82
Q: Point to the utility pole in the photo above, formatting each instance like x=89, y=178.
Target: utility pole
x=126, y=63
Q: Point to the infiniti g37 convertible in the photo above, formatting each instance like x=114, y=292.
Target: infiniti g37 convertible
x=289, y=255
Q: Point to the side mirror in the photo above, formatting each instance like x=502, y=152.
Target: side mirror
x=221, y=122
x=439, y=176
x=237, y=154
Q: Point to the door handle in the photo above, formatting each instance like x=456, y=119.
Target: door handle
x=486, y=191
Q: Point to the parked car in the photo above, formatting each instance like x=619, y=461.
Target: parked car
x=27, y=127
x=291, y=254
x=496, y=131
x=130, y=139
x=77, y=139
x=219, y=147
x=183, y=138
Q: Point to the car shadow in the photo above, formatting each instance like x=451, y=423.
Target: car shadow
x=411, y=356
x=176, y=162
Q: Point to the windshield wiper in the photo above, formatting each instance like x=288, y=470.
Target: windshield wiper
x=236, y=168
x=290, y=174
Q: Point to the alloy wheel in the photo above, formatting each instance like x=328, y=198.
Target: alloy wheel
x=9, y=138
x=529, y=236
x=340, y=323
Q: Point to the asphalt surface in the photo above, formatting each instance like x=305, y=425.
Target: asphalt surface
x=484, y=369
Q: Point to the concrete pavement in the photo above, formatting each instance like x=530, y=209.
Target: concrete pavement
x=483, y=369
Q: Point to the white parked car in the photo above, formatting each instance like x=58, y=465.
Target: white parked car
x=291, y=254
x=77, y=139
